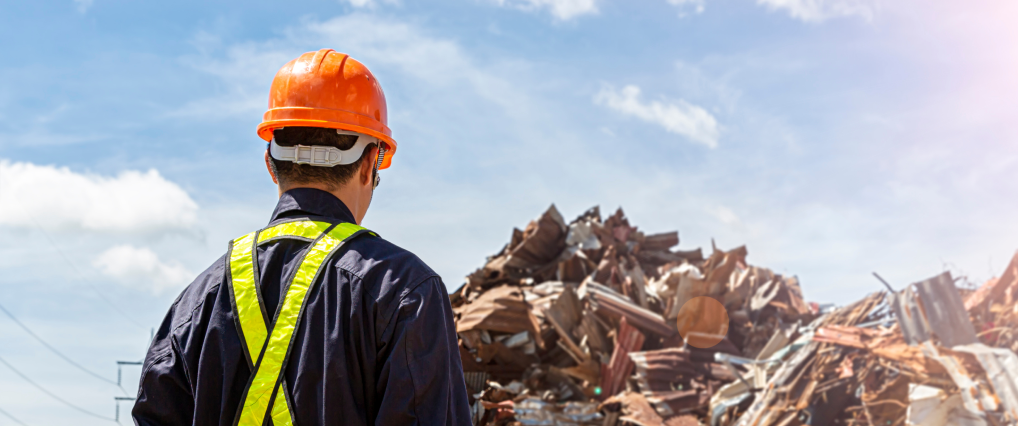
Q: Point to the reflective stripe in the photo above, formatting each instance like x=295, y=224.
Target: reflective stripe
x=249, y=311
x=303, y=229
x=281, y=409
x=245, y=296
x=269, y=354
x=245, y=293
x=300, y=229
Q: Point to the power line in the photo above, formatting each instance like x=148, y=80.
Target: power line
x=14, y=419
x=55, y=351
x=51, y=394
x=81, y=276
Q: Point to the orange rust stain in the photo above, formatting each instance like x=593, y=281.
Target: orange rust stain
x=703, y=322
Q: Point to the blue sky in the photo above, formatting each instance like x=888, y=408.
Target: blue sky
x=833, y=137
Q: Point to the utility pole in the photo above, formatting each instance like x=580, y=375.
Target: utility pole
x=121, y=364
x=120, y=370
x=118, y=399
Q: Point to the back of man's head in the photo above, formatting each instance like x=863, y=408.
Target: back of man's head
x=291, y=174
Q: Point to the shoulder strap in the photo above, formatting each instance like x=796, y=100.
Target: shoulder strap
x=269, y=352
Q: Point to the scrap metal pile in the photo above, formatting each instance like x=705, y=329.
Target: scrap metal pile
x=578, y=324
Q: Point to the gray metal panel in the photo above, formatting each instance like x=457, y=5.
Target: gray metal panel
x=945, y=311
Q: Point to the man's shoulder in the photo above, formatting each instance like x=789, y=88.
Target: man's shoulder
x=194, y=295
x=369, y=253
x=376, y=260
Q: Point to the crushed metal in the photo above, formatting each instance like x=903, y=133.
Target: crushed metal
x=575, y=324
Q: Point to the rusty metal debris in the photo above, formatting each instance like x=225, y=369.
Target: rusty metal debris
x=575, y=324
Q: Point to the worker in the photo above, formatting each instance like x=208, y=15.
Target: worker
x=312, y=320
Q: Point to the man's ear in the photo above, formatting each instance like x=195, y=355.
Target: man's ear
x=268, y=166
x=367, y=165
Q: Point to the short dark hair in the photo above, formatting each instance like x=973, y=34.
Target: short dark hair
x=289, y=173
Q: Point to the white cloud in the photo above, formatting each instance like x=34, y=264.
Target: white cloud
x=696, y=5
x=391, y=43
x=560, y=9
x=725, y=215
x=244, y=74
x=437, y=61
x=383, y=44
x=368, y=3
x=821, y=10
x=83, y=5
x=679, y=117
x=141, y=267
x=709, y=81
x=56, y=197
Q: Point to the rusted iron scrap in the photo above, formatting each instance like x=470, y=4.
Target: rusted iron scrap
x=575, y=324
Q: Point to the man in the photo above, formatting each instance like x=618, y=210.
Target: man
x=312, y=320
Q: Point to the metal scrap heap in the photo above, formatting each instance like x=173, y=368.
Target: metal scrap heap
x=579, y=323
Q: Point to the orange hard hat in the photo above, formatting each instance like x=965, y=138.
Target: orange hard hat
x=331, y=90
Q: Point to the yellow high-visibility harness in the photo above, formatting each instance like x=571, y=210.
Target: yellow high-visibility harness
x=267, y=353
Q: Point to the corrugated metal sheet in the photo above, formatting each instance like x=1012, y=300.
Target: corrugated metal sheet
x=945, y=312
x=499, y=309
x=476, y=380
x=543, y=241
x=910, y=317
x=612, y=306
x=933, y=308
x=534, y=412
x=672, y=368
x=670, y=403
x=614, y=374
x=1001, y=366
x=975, y=397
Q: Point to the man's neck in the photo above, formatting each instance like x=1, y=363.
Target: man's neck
x=346, y=193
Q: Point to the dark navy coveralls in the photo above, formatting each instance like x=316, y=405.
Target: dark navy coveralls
x=376, y=346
